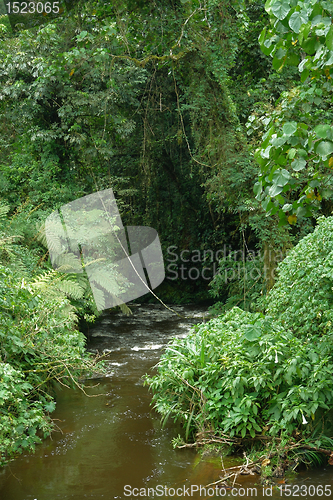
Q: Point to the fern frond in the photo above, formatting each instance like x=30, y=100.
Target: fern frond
x=125, y=309
x=71, y=289
x=8, y=239
x=68, y=263
x=99, y=298
x=54, y=284
x=4, y=209
x=68, y=312
x=54, y=239
x=6, y=250
x=41, y=236
x=45, y=279
x=101, y=259
x=105, y=281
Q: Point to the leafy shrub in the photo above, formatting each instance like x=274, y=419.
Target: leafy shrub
x=241, y=279
x=302, y=298
x=20, y=417
x=243, y=374
x=38, y=333
x=39, y=343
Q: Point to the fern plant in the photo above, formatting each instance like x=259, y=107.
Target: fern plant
x=6, y=241
x=75, y=280
x=39, y=343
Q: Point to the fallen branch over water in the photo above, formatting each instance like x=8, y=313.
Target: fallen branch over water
x=202, y=441
x=212, y=438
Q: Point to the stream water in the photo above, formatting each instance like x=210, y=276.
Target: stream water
x=112, y=445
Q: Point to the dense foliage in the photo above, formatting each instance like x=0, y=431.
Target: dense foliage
x=148, y=98
x=302, y=298
x=40, y=346
x=295, y=155
x=250, y=375
x=166, y=102
x=244, y=374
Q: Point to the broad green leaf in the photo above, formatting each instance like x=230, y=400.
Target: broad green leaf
x=292, y=153
x=262, y=36
x=265, y=153
x=329, y=39
x=304, y=75
x=302, y=64
x=281, y=177
x=294, y=140
x=329, y=62
x=280, y=27
x=323, y=131
x=50, y=407
x=292, y=60
x=298, y=164
x=277, y=153
x=280, y=8
x=304, y=32
x=266, y=42
x=281, y=52
x=277, y=63
x=82, y=35
x=273, y=211
x=267, y=204
x=297, y=19
x=257, y=188
x=324, y=148
x=252, y=333
x=317, y=20
x=327, y=5
x=267, y=47
x=282, y=219
x=289, y=128
x=287, y=207
x=302, y=152
x=278, y=141
x=314, y=183
x=275, y=190
x=267, y=135
x=309, y=45
x=302, y=212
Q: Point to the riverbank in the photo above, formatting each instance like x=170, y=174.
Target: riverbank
x=114, y=438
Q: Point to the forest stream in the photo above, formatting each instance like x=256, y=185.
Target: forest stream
x=112, y=445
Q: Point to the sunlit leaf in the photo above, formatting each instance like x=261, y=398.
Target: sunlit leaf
x=280, y=8
x=297, y=19
x=251, y=333
x=275, y=190
x=298, y=164
x=289, y=128
x=324, y=148
x=323, y=131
